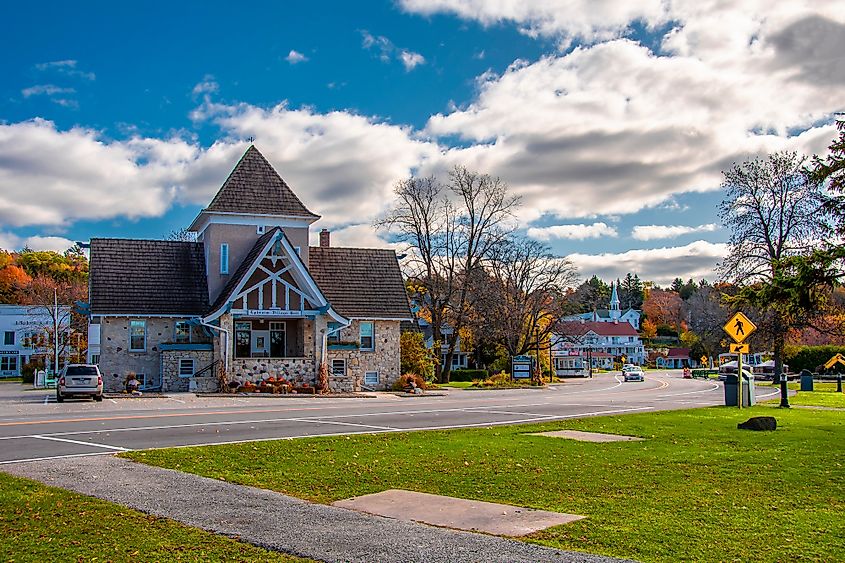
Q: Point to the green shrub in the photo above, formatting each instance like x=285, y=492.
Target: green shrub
x=812, y=357
x=467, y=374
x=28, y=373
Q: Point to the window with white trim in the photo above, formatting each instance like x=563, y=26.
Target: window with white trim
x=137, y=336
x=371, y=378
x=95, y=358
x=366, y=331
x=260, y=229
x=9, y=363
x=9, y=338
x=186, y=368
x=224, y=258
x=338, y=367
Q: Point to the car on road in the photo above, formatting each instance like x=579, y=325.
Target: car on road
x=634, y=374
x=77, y=380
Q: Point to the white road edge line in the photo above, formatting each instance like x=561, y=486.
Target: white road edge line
x=417, y=429
x=342, y=423
x=335, y=434
x=52, y=457
x=79, y=442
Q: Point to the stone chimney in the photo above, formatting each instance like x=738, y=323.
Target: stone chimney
x=325, y=238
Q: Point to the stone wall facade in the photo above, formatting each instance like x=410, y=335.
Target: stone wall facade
x=296, y=370
x=170, y=380
x=384, y=359
x=116, y=361
x=151, y=365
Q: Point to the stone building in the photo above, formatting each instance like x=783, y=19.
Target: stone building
x=249, y=298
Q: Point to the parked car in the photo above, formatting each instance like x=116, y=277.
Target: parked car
x=79, y=380
x=635, y=374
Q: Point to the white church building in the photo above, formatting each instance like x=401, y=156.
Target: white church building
x=612, y=315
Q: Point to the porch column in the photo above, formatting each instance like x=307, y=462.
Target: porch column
x=320, y=327
x=226, y=323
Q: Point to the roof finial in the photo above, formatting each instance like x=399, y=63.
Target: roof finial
x=251, y=140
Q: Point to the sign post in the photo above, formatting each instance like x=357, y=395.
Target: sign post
x=739, y=328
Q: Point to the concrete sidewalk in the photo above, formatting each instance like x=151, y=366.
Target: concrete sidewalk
x=276, y=521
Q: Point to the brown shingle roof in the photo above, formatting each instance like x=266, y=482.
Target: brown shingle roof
x=147, y=277
x=243, y=268
x=360, y=282
x=254, y=186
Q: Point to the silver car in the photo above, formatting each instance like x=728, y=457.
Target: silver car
x=79, y=380
x=634, y=374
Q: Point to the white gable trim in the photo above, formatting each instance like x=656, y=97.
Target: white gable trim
x=297, y=270
x=206, y=218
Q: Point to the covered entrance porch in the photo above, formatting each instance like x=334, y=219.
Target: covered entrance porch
x=278, y=346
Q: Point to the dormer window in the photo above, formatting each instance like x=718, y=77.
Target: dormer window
x=224, y=258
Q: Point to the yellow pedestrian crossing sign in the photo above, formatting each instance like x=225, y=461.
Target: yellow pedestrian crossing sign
x=703, y=359
x=739, y=327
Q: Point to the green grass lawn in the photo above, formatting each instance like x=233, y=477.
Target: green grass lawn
x=822, y=395
x=40, y=523
x=696, y=489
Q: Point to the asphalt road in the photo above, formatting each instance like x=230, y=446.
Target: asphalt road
x=34, y=427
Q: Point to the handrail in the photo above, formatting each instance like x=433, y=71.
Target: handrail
x=208, y=368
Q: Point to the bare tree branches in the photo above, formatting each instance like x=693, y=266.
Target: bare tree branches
x=449, y=229
x=523, y=298
x=773, y=210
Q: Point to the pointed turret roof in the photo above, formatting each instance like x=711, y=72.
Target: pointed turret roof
x=614, y=298
x=254, y=187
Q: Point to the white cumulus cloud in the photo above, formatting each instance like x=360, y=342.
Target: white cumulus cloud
x=411, y=59
x=654, y=232
x=573, y=232
x=295, y=57
x=697, y=260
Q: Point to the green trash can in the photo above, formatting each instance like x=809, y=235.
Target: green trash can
x=748, y=398
x=806, y=380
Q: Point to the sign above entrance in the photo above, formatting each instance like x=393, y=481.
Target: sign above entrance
x=739, y=327
x=274, y=313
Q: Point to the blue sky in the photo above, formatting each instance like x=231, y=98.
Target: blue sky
x=612, y=121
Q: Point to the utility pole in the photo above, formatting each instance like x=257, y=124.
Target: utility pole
x=55, y=332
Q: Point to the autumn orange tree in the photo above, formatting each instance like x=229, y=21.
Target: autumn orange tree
x=663, y=307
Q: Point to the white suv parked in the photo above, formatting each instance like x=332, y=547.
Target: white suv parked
x=79, y=379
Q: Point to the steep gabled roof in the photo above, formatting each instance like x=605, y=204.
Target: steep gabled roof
x=360, y=282
x=623, y=328
x=254, y=187
x=147, y=277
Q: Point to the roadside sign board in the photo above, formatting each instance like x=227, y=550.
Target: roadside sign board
x=739, y=348
x=739, y=327
x=703, y=359
x=521, y=367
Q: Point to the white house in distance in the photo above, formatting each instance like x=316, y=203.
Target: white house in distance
x=576, y=342
x=25, y=332
x=613, y=314
x=460, y=358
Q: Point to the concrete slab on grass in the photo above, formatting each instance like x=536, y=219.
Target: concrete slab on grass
x=588, y=436
x=457, y=513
